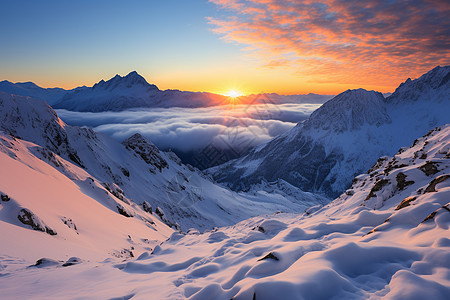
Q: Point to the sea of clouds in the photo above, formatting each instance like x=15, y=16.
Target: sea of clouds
x=192, y=129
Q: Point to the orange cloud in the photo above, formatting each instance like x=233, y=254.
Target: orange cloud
x=371, y=42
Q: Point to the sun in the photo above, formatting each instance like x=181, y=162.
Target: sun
x=233, y=94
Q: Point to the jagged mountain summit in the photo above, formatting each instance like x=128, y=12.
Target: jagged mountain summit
x=181, y=195
x=384, y=237
x=344, y=136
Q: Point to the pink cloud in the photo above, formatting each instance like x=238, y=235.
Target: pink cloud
x=367, y=42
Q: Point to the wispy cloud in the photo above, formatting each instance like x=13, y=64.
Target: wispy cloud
x=374, y=42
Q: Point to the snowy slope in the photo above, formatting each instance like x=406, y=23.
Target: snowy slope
x=345, y=136
x=385, y=237
x=52, y=208
x=178, y=193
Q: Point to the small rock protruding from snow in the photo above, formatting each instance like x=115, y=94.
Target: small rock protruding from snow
x=147, y=207
x=4, y=197
x=45, y=262
x=26, y=217
x=124, y=211
x=72, y=261
x=432, y=186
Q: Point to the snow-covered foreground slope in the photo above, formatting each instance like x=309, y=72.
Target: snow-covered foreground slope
x=345, y=136
x=385, y=237
x=142, y=173
x=52, y=208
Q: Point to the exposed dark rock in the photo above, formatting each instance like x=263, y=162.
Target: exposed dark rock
x=402, y=182
x=163, y=218
x=69, y=223
x=377, y=187
x=147, y=207
x=76, y=159
x=147, y=151
x=116, y=191
x=125, y=172
x=5, y=197
x=28, y=218
x=393, y=165
x=269, y=256
x=401, y=150
x=159, y=212
x=45, y=262
x=72, y=261
x=406, y=202
x=123, y=211
x=430, y=217
x=432, y=186
x=377, y=165
x=429, y=168
x=372, y=231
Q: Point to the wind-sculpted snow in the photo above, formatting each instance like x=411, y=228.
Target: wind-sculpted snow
x=344, y=137
x=385, y=237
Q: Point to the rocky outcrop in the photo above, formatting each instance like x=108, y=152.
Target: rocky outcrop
x=27, y=217
x=147, y=151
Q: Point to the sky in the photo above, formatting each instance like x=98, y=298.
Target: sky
x=287, y=47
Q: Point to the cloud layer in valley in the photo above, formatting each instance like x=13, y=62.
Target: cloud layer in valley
x=187, y=130
x=359, y=42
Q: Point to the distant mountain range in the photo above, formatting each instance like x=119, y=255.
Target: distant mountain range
x=133, y=91
x=344, y=137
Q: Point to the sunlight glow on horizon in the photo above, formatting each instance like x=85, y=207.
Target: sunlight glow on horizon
x=234, y=94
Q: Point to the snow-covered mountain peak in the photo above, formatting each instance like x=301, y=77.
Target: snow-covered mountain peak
x=435, y=81
x=128, y=81
x=28, y=84
x=344, y=137
x=350, y=110
x=17, y=113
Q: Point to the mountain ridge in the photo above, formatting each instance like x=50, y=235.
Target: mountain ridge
x=323, y=153
x=133, y=91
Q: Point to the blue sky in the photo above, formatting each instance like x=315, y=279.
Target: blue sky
x=47, y=40
x=288, y=47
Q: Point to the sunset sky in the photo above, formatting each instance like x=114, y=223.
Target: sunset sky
x=288, y=47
